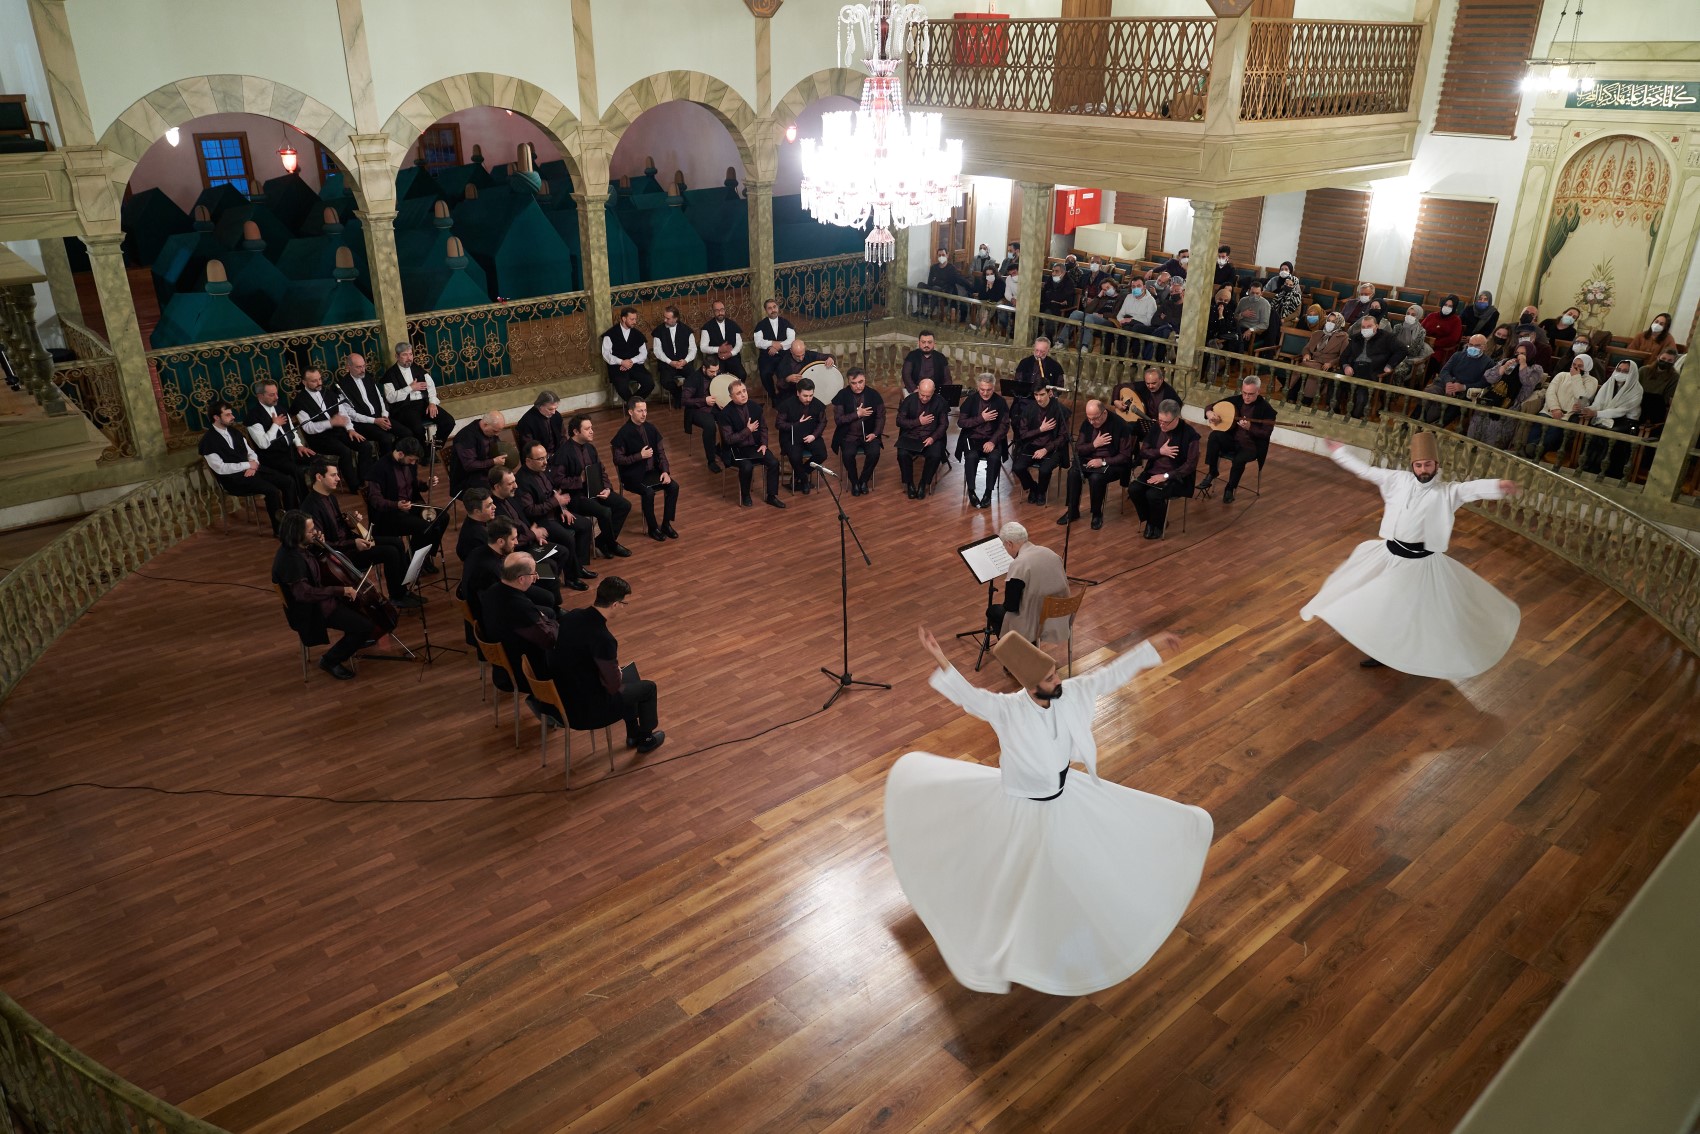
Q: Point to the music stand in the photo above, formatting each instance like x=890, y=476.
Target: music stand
x=431, y=539
x=411, y=582
x=989, y=561
x=843, y=677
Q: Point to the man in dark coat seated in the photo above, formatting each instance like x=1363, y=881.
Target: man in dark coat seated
x=585, y=665
x=1245, y=441
x=1170, y=452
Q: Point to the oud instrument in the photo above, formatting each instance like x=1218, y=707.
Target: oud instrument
x=1225, y=415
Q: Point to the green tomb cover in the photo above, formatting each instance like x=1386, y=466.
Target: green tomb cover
x=150, y=218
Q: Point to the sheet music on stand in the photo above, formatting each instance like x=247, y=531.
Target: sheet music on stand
x=986, y=558
x=417, y=565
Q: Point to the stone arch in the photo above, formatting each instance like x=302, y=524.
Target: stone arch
x=832, y=81
x=147, y=119
x=485, y=88
x=706, y=91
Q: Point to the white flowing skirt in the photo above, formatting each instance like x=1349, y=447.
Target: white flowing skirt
x=1432, y=616
x=1067, y=896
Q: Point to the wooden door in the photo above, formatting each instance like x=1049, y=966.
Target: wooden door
x=956, y=236
x=1082, y=53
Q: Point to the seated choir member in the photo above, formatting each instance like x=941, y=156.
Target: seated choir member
x=507, y=614
x=624, y=351
x=1102, y=455
x=395, y=495
x=412, y=396
x=640, y=456
x=541, y=506
x=801, y=424
x=745, y=434
x=238, y=470
x=925, y=362
x=543, y=423
x=789, y=366
x=1035, y=574
x=276, y=440
x=922, y=419
x=723, y=340
x=701, y=409
x=483, y=568
x=983, y=419
x=578, y=469
x=859, y=414
x=326, y=426
x=480, y=507
x=1039, y=368
x=1170, y=453
x=772, y=336
x=585, y=665
x=386, y=552
x=675, y=350
x=476, y=452
x=364, y=396
x=1248, y=440
x=316, y=604
x=1042, y=436
x=552, y=572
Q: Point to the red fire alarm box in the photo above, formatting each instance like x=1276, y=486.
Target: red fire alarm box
x=1075, y=207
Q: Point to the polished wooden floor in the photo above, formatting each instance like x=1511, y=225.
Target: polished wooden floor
x=1404, y=875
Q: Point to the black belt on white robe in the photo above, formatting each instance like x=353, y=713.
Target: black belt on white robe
x=1061, y=779
x=1408, y=550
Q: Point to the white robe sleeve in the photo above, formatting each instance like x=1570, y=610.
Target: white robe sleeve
x=1109, y=678
x=1465, y=491
x=1378, y=477
x=962, y=693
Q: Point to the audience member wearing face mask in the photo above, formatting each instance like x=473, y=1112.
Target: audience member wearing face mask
x=1646, y=344
x=1616, y=406
x=1481, y=316
x=1561, y=330
x=1446, y=328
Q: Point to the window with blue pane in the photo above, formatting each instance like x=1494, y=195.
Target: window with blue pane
x=224, y=160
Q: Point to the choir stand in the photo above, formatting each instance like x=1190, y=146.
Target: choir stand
x=843, y=677
x=1075, y=420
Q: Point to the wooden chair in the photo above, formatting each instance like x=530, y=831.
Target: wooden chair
x=300, y=635
x=1062, y=606
x=19, y=133
x=546, y=692
x=497, y=656
x=471, y=625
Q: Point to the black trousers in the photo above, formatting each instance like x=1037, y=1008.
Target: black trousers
x=868, y=451
x=1097, y=481
x=270, y=483
x=670, y=507
x=1151, y=501
x=1225, y=444
x=671, y=382
x=638, y=704
x=409, y=524
x=283, y=458
x=1595, y=451
x=573, y=539
x=356, y=629
x=747, y=471
x=610, y=514
x=350, y=456
x=409, y=420
x=801, y=453
x=629, y=384
x=389, y=553
x=378, y=443
x=971, y=460
x=733, y=364
x=710, y=429
x=1024, y=463
x=929, y=457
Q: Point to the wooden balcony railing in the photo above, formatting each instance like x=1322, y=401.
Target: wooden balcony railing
x=1148, y=68
x=1328, y=69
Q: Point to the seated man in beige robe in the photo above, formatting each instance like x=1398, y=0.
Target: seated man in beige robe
x=1035, y=574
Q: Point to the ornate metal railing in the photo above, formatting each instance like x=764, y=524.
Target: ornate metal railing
x=694, y=296
x=1634, y=556
x=1138, y=68
x=192, y=377
x=52, y=588
x=48, y=1085
x=92, y=383
x=830, y=291
x=502, y=346
x=1328, y=69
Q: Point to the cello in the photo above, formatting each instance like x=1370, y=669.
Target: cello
x=371, y=605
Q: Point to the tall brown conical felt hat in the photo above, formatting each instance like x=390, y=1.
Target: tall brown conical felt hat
x=1424, y=448
x=1026, y=662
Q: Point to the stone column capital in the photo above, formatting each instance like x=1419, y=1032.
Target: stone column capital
x=104, y=243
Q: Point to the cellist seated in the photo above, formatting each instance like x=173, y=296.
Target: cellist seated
x=313, y=600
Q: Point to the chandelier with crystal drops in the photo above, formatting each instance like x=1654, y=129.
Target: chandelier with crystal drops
x=1564, y=74
x=874, y=163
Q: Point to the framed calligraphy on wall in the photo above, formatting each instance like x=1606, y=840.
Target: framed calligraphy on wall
x=1618, y=94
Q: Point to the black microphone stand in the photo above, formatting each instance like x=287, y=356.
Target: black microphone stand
x=1075, y=419
x=843, y=678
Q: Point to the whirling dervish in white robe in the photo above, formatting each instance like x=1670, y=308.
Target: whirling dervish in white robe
x=1024, y=874
x=1400, y=598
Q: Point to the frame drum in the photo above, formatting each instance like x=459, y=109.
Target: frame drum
x=827, y=379
x=721, y=389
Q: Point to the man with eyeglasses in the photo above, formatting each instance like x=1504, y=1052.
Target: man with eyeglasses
x=508, y=613
x=585, y=665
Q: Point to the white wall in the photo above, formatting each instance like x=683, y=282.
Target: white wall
x=679, y=135
x=20, y=63
x=801, y=43
x=991, y=213
x=125, y=50
x=177, y=171
x=637, y=38
x=498, y=132
x=30, y=250
x=1017, y=9
x=790, y=175
x=416, y=42
x=1278, y=239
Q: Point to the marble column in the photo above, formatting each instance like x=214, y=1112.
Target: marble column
x=135, y=380
x=760, y=197
x=1680, y=435
x=1036, y=215
x=593, y=253
x=897, y=274
x=1195, y=310
x=379, y=230
x=61, y=284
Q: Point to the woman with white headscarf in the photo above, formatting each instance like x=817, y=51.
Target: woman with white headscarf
x=1568, y=395
x=1616, y=406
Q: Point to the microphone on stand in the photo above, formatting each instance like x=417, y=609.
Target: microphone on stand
x=823, y=469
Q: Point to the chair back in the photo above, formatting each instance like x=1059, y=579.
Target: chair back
x=544, y=691
x=1293, y=342
x=14, y=115
x=496, y=655
x=1060, y=606
x=465, y=609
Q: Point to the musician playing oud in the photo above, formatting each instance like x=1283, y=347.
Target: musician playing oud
x=1244, y=441
x=858, y=412
x=316, y=604
x=370, y=550
x=1042, y=438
